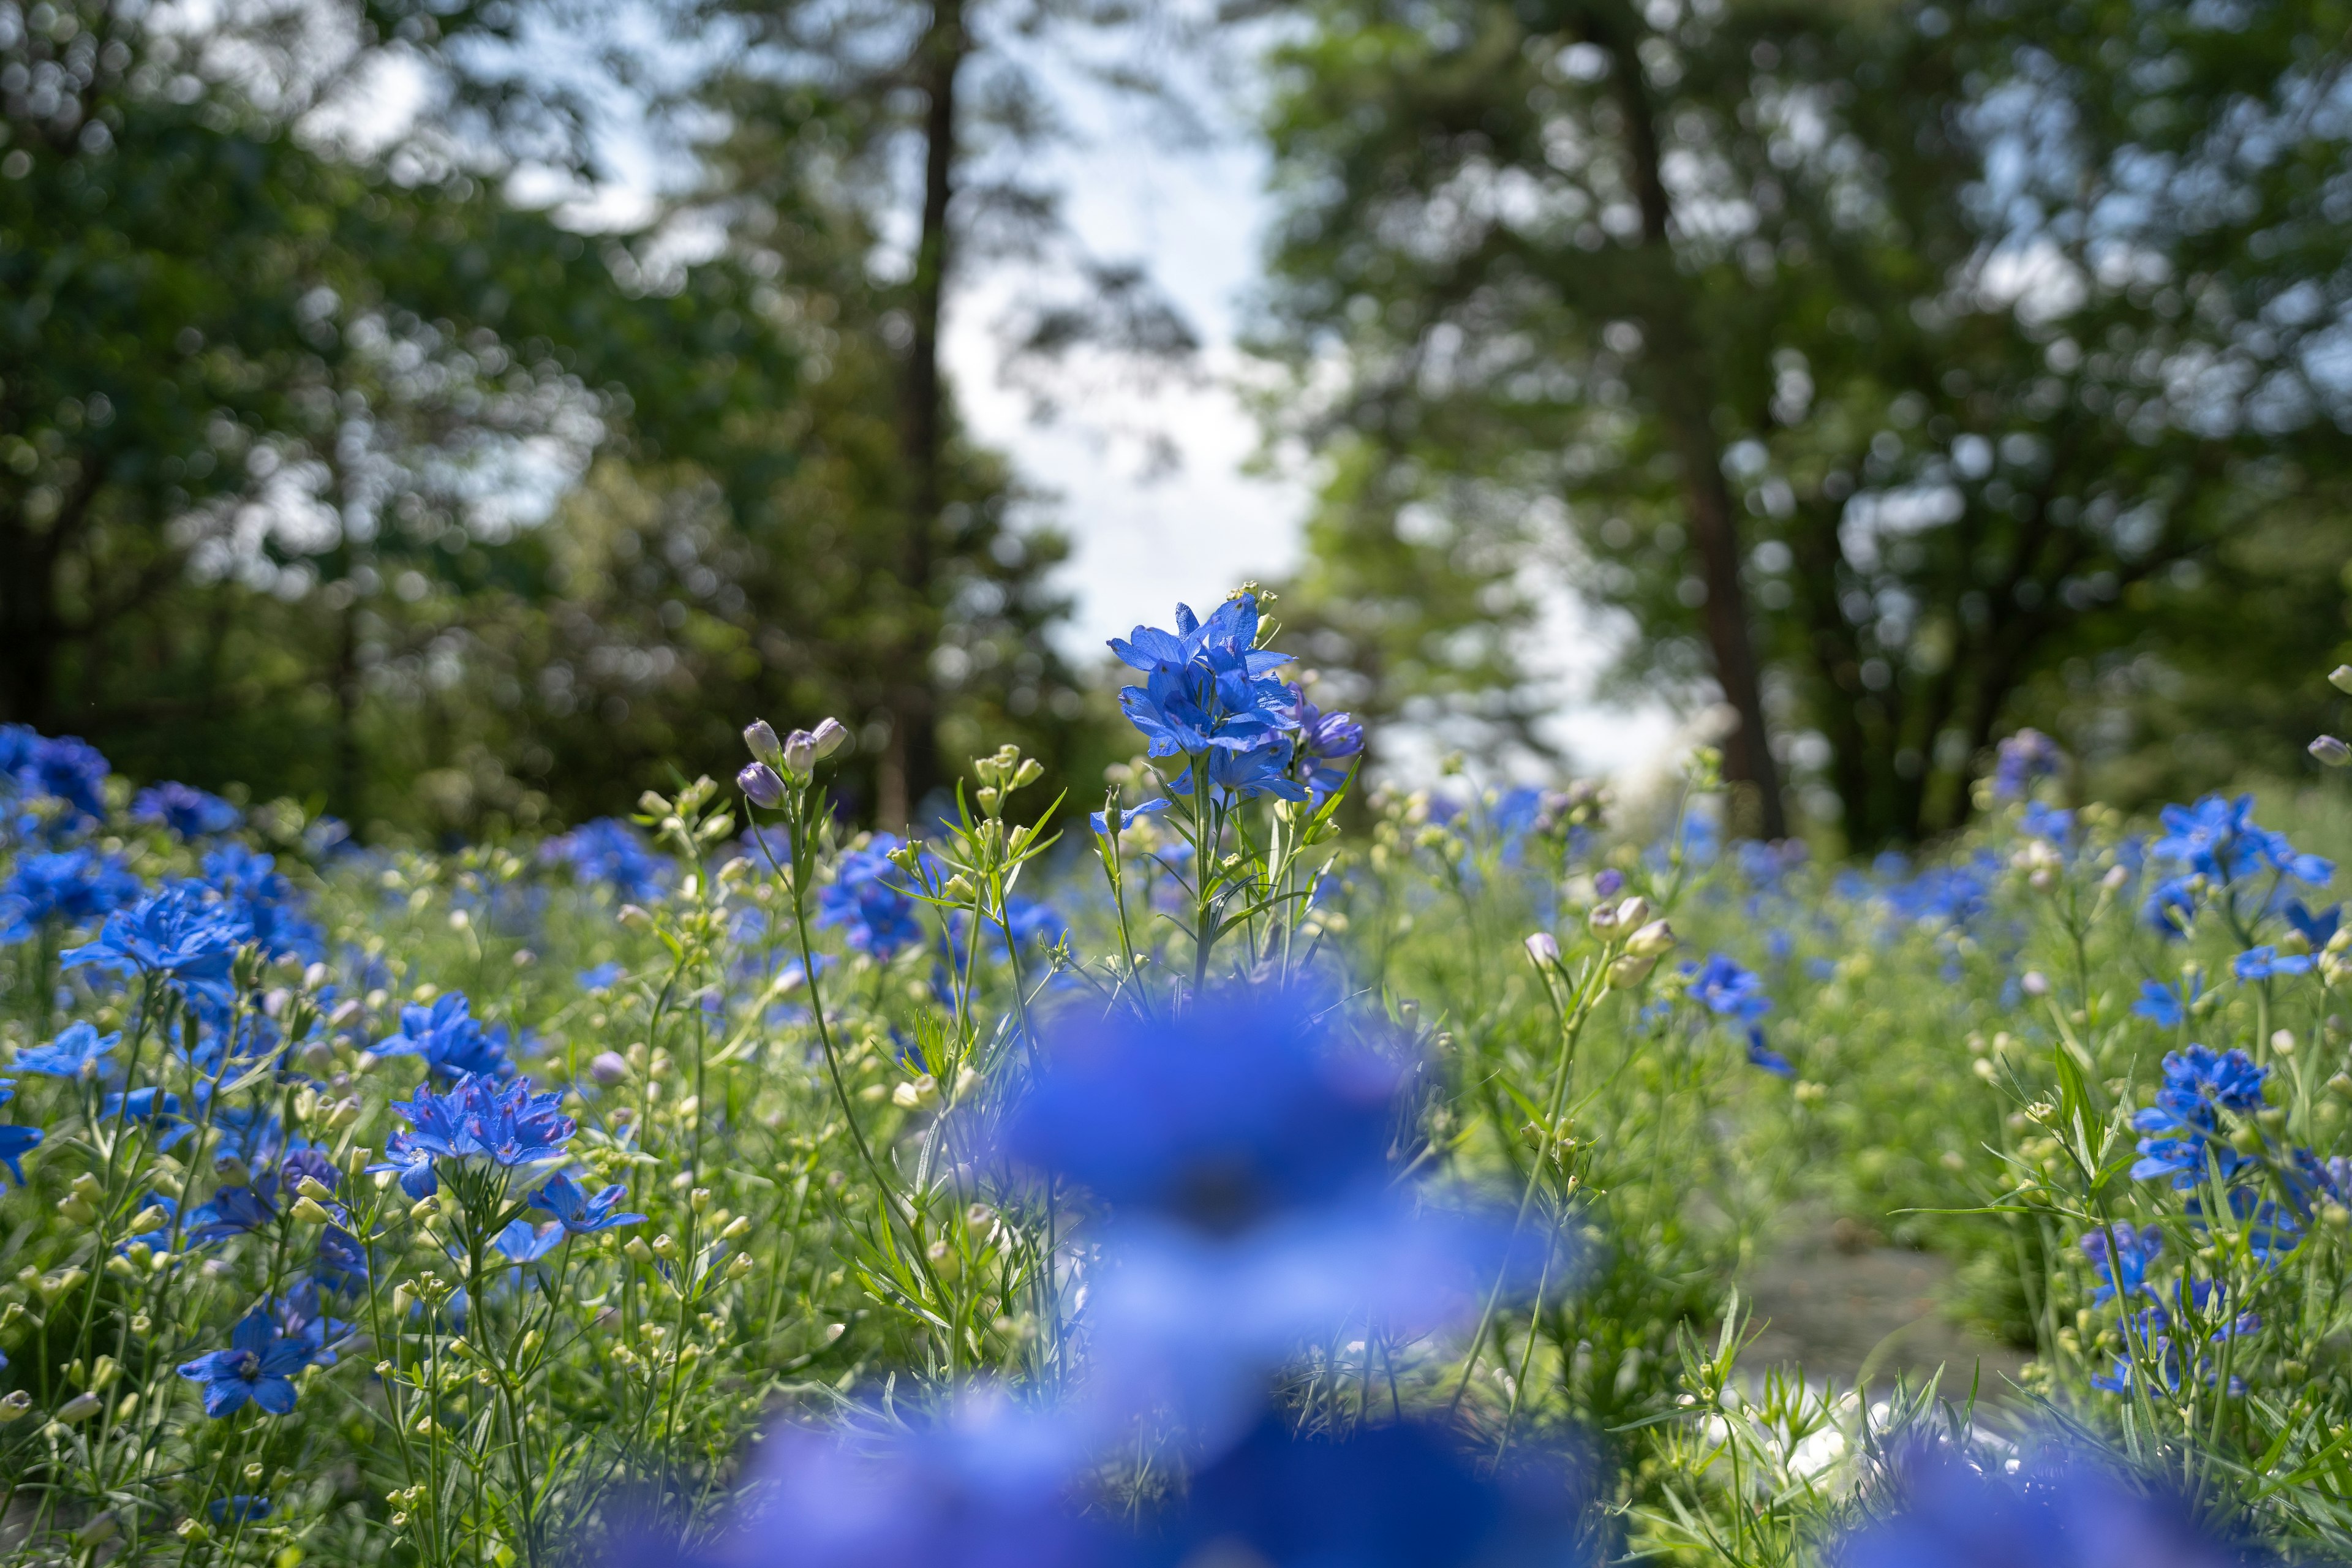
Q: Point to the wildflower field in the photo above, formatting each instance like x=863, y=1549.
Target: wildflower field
x=1237, y=1165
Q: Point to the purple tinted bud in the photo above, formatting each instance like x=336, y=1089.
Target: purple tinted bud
x=1609, y=883
x=1543, y=947
x=829, y=737
x=762, y=783
x=762, y=741
x=2332, y=752
x=608, y=1067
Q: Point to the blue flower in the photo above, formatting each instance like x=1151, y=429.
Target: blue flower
x=342, y=1262
x=190, y=812
x=2126, y=1273
x=480, y=1122
x=600, y=977
x=78, y=1051
x=2318, y=929
x=608, y=850
x=253, y=890
x=14, y=1143
x=232, y=1211
x=158, y=1109
x=1727, y=990
x=1247, y=774
x=524, y=1242
x=865, y=897
x=260, y=1365
x=2220, y=839
x=2171, y=905
x=65, y=767
x=2263, y=963
x=181, y=932
x=2046, y=821
x=72, y=886
x=1127, y=815
x=2168, y=1006
x=1326, y=741
x=1399, y=1496
x=449, y=1037
x=578, y=1213
x=242, y=1509
x=1205, y=686
x=1246, y=1107
x=2054, y=1512
x=2022, y=758
x=2184, y=1126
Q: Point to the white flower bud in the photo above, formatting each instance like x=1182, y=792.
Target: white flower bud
x=1652, y=941
x=1543, y=947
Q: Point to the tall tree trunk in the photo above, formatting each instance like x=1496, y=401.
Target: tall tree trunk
x=909, y=766
x=1683, y=386
x=28, y=633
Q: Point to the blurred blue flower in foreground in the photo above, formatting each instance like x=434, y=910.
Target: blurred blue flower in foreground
x=2184, y=1125
x=190, y=812
x=1947, y=1512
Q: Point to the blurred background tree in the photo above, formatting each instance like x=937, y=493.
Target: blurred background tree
x=1903, y=372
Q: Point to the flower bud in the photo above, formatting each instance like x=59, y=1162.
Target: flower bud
x=1652, y=941
x=2334, y=752
x=1634, y=912
x=759, y=737
x=737, y=1228
x=2034, y=983
x=799, y=753
x=2116, y=878
x=760, y=785
x=1631, y=971
x=1604, y=918
x=609, y=1068
x=310, y=1211
x=80, y=1407
x=633, y=917
x=15, y=1407
x=1543, y=947
x=637, y=1248
x=829, y=737
x=2340, y=677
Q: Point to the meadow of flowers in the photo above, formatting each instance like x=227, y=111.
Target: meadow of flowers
x=1213, y=1168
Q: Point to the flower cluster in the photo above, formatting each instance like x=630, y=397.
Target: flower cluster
x=480, y=1123
x=2184, y=1127
x=71, y=888
x=451, y=1040
x=1209, y=695
x=1728, y=991
x=867, y=899
x=183, y=809
x=65, y=768
x=608, y=851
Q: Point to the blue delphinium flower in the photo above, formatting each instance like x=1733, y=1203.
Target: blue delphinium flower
x=523, y=1242
x=16, y=1143
x=80, y=1051
x=260, y=1364
x=253, y=890
x=448, y=1037
x=72, y=886
x=2126, y=1273
x=342, y=1262
x=1728, y=991
x=2264, y=961
x=2318, y=929
x=2022, y=758
x=2168, y=1006
x=2184, y=1124
x=2046, y=821
x=478, y=1124
x=608, y=850
x=190, y=812
x=1205, y=686
x=865, y=897
x=156, y=1108
x=1128, y=815
x=65, y=767
x=1248, y=1109
x=2220, y=839
x=1948, y=1511
x=601, y=977
x=577, y=1211
x=2171, y=905
x=1247, y=774
x=1325, y=743
x=181, y=932
x=241, y=1508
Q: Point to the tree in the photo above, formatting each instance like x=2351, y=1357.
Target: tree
x=919, y=118
x=1901, y=354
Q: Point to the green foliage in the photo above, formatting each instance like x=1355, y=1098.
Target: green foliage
x=1987, y=339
